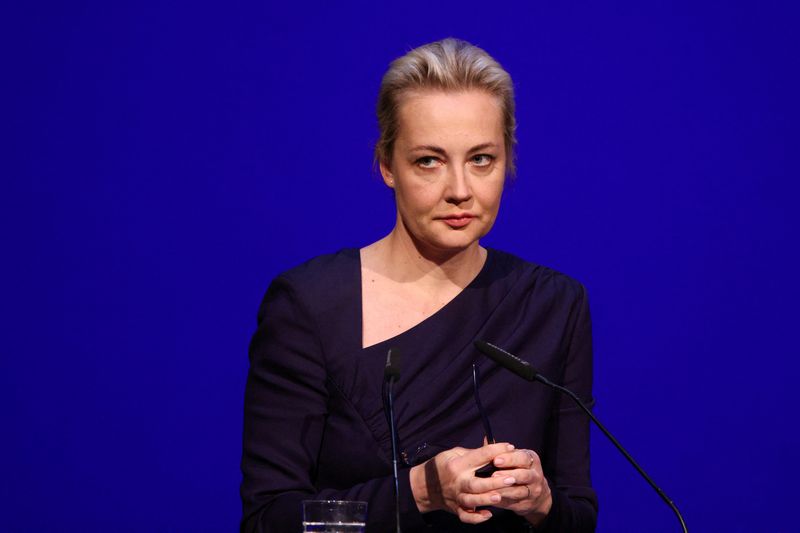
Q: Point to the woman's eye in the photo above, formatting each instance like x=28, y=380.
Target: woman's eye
x=427, y=162
x=482, y=160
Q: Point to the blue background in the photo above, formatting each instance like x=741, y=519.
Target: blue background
x=162, y=163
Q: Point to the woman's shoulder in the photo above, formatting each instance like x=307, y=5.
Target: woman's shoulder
x=324, y=270
x=536, y=276
x=323, y=283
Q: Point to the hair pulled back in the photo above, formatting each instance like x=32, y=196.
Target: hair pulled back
x=449, y=65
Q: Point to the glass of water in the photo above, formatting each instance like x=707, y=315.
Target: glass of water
x=334, y=516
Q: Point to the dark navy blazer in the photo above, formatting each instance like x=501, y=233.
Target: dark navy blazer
x=314, y=425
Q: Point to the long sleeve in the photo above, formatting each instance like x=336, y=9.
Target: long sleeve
x=567, y=448
x=286, y=405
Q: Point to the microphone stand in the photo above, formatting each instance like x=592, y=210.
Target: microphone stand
x=391, y=373
x=527, y=372
x=616, y=443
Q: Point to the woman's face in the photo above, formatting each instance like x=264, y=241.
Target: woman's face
x=447, y=168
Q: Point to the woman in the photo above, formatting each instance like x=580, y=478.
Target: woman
x=314, y=422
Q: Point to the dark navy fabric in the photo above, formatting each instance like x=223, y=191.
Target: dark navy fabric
x=314, y=421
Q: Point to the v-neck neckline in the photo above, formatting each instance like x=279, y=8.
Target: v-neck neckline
x=360, y=302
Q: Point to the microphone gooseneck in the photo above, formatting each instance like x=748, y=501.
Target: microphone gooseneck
x=488, y=469
x=391, y=373
x=524, y=370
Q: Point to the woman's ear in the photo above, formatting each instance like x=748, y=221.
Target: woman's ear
x=386, y=172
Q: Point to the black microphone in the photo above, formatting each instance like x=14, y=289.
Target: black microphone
x=524, y=370
x=391, y=373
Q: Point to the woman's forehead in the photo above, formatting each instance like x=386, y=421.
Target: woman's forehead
x=439, y=95
x=438, y=116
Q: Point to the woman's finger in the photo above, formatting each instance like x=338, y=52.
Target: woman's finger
x=522, y=476
x=472, y=501
x=473, y=516
x=518, y=459
x=480, y=456
x=479, y=485
x=519, y=493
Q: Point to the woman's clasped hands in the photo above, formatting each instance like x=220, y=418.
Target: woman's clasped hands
x=448, y=482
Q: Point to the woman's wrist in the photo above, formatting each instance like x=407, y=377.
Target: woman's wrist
x=419, y=489
x=424, y=487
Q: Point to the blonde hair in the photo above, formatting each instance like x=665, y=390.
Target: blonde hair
x=448, y=65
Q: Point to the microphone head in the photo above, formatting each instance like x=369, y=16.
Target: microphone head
x=392, y=368
x=506, y=360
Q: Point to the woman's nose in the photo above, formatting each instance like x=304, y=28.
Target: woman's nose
x=458, y=189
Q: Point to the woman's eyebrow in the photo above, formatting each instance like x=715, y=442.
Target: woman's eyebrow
x=440, y=150
x=428, y=148
x=483, y=146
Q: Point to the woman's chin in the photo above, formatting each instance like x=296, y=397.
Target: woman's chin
x=448, y=246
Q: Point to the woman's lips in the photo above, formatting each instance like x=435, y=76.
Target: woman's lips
x=458, y=221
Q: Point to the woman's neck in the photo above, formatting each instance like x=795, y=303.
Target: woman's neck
x=400, y=257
